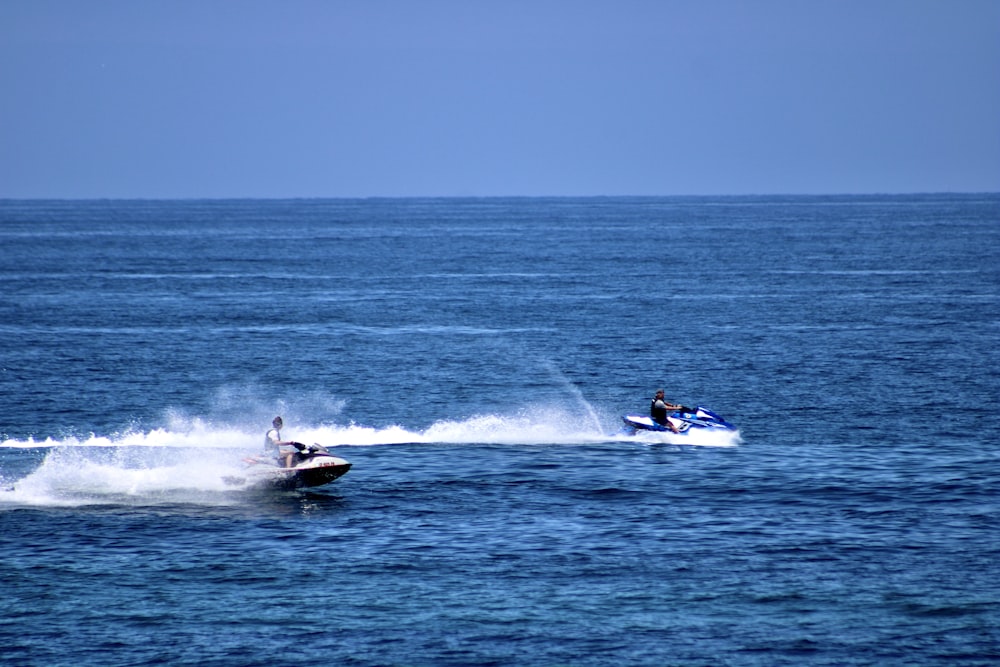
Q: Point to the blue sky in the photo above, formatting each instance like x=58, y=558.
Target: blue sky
x=359, y=98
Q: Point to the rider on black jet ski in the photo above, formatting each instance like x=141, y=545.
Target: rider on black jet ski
x=278, y=447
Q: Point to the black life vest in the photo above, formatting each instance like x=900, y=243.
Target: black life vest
x=659, y=414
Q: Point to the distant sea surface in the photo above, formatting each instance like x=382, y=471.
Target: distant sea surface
x=472, y=359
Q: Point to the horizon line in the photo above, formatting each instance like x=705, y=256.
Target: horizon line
x=927, y=193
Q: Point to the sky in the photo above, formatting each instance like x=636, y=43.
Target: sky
x=394, y=98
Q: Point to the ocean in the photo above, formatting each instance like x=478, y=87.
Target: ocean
x=472, y=359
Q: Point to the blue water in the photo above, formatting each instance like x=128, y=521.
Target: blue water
x=472, y=359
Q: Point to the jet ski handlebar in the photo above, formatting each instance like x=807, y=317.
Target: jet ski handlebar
x=315, y=448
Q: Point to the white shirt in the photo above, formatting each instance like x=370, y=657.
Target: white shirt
x=272, y=440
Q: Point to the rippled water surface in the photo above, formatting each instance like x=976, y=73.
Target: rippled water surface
x=472, y=360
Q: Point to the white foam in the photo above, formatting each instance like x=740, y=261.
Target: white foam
x=693, y=437
x=71, y=476
x=191, y=459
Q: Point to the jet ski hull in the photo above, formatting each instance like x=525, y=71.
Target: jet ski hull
x=314, y=466
x=699, y=419
x=308, y=476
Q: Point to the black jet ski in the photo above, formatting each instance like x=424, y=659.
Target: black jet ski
x=686, y=420
x=314, y=465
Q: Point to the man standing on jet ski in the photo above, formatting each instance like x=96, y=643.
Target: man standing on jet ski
x=659, y=409
x=274, y=445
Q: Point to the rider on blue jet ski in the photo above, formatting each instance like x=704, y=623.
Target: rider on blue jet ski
x=659, y=408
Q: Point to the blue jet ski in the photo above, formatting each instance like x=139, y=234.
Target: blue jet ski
x=686, y=420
